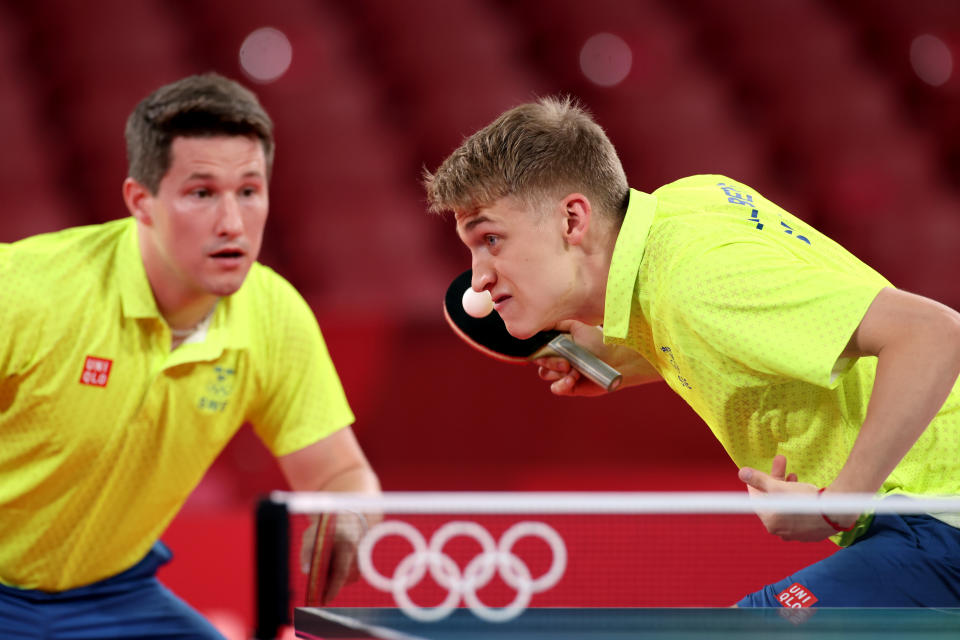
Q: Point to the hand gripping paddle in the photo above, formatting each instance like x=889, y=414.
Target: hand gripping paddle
x=489, y=336
x=321, y=552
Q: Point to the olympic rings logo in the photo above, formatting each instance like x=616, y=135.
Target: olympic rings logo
x=479, y=571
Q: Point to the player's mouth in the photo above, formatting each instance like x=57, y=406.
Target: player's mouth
x=229, y=257
x=500, y=301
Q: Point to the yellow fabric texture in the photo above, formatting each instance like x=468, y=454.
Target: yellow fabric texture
x=745, y=309
x=104, y=430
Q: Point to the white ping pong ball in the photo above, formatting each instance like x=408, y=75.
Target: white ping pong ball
x=478, y=305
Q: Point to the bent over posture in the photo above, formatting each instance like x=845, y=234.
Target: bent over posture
x=792, y=350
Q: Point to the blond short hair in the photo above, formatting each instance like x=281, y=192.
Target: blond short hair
x=533, y=152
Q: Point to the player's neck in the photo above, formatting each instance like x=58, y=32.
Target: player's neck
x=595, y=269
x=183, y=310
x=187, y=318
x=182, y=307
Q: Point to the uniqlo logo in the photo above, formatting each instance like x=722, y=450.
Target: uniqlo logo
x=796, y=596
x=96, y=371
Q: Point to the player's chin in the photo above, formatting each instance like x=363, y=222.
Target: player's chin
x=519, y=330
x=226, y=285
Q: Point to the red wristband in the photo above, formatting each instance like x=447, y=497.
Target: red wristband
x=836, y=527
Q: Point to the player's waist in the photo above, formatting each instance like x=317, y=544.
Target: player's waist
x=40, y=591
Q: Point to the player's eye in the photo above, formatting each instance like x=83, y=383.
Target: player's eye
x=201, y=192
x=491, y=240
x=248, y=192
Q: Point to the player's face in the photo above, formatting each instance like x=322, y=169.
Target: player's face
x=207, y=218
x=521, y=257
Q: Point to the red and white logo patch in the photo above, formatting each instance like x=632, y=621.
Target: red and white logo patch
x=796, y=596
x=96, y=371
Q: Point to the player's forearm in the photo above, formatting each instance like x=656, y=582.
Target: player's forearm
x=335, y=463
x=358, y=479
x=914, y=377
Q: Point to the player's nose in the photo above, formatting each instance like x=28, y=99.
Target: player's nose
x=482, y=278
x=230, y=220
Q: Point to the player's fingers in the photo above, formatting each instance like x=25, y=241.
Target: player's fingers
x=553, y=363
x=778, y=468
x=566, y=385
x=754, y=478
x=341, y=569
x=306, y=545
x=549, y=374
x=792, y=477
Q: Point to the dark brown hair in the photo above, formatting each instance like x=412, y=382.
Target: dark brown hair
x=195, y=106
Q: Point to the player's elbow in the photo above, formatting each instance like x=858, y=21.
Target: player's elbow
x=937, y=339
x=949, y=328
x=923, y=327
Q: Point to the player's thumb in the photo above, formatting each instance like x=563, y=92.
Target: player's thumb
x=585, y=335
x=568, y=326
x=753, y=478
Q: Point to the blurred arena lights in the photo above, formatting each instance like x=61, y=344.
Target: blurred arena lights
x=605, y=59
x=931, y=59
x=265, y=54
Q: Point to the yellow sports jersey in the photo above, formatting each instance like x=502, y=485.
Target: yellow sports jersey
x=744, y=310
x=104, y=431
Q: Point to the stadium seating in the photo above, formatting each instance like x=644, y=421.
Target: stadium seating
x=91, y=67
x=34, y=202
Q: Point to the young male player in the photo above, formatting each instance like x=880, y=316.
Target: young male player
x=787, y=346
x=132, y=353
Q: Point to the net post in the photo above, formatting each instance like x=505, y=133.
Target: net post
x=272, y=568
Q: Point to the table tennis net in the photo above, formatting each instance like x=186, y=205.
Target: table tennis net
x=428, y=553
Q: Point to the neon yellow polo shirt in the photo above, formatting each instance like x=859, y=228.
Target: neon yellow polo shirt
x=744, y=309
x=104, y=431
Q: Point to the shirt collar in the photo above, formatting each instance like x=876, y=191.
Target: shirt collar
x=625, y=263
x=137, y=301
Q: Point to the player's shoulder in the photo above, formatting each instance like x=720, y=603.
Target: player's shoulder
x=263, y=282
x=66, y=255
x=102, y=231
x=274, y=316
x=270, y=298
x=692, y=182
x=702, y=188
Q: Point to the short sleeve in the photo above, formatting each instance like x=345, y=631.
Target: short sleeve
x=7, y=305
x=21, y=313
x=301, y=397
x=769, y=310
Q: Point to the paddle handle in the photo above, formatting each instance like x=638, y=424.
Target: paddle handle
x=585, y=362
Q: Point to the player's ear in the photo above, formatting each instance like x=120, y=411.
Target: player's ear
x=577, y=213
x=138, y=200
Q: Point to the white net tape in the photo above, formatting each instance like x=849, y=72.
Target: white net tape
x=617, y=502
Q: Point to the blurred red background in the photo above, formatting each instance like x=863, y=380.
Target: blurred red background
x=846, y=112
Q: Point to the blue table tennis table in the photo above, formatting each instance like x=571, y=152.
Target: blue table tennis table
x=646, y=623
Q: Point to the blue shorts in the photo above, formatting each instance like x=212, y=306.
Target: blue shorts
x=901, y=561
x=132, y=604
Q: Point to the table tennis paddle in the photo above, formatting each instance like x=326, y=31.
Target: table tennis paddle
x=489, y=336
x=322, y=547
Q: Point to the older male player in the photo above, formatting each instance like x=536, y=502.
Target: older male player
x=132, y=352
